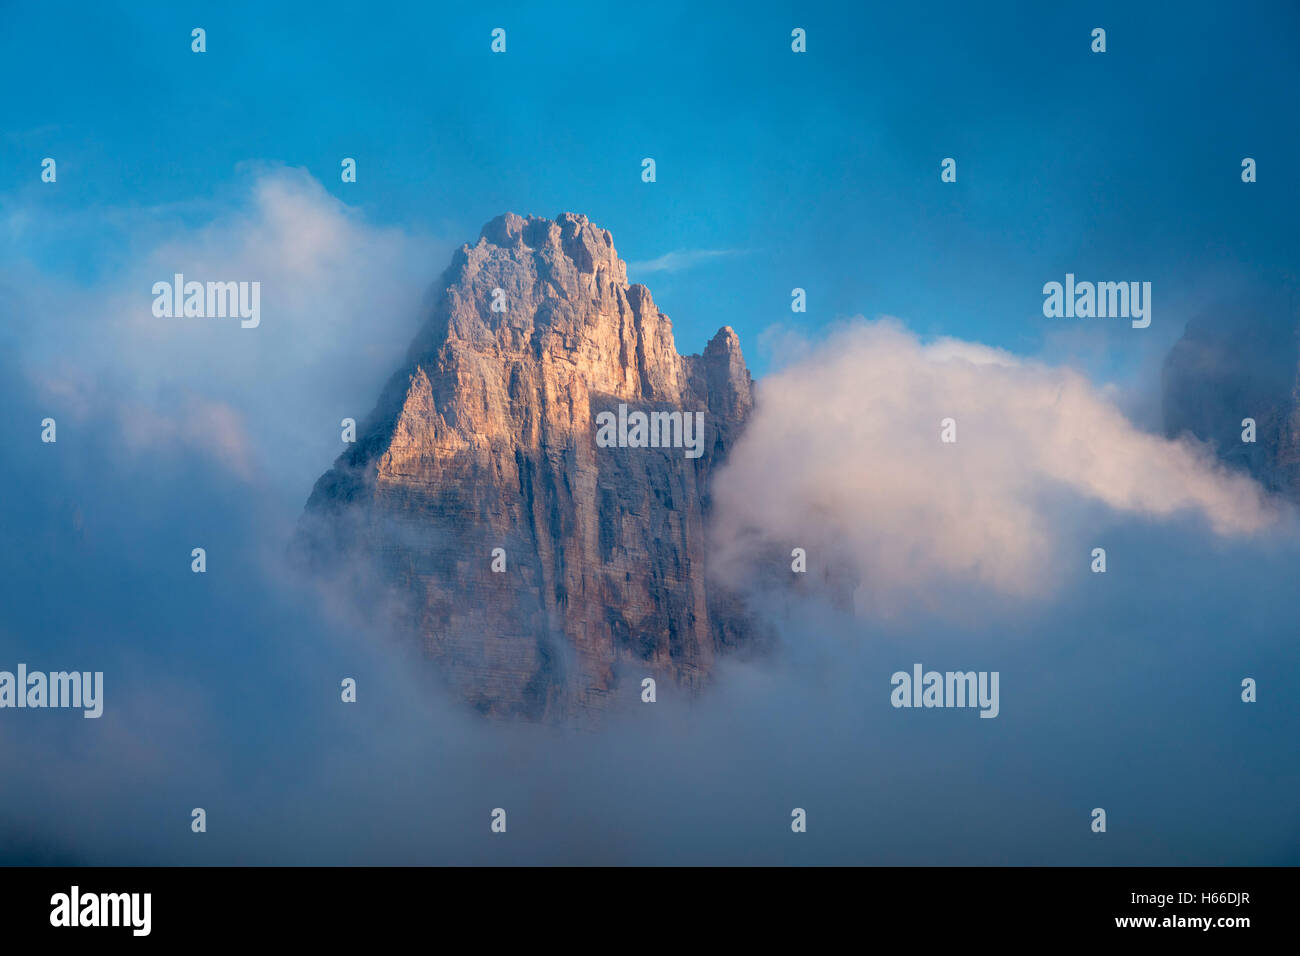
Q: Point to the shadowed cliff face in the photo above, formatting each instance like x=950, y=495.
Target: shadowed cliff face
x=487, y=438
x=1241, y=362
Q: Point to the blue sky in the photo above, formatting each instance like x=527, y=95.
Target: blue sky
x=818, y=170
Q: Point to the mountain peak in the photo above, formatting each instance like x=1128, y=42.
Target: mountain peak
x=572, y=235
x=487, y=439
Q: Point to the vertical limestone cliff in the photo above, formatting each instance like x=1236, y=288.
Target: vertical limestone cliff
x=486, y=438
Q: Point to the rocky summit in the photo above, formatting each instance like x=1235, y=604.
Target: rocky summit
x=546, y=573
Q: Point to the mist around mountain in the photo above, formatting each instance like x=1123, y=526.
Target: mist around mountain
x=222, y=690
x=1237, y=365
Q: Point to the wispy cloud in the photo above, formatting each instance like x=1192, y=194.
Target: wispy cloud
x=340, y=299
x=680, y=259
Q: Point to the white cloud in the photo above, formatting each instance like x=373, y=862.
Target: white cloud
x=678, y=260
x=340, y=302
x=843, y=458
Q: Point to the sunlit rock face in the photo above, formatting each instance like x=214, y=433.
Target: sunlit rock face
x=487, y=438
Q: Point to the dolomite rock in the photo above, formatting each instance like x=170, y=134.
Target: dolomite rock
x=485, y=439
x=1236, y=363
